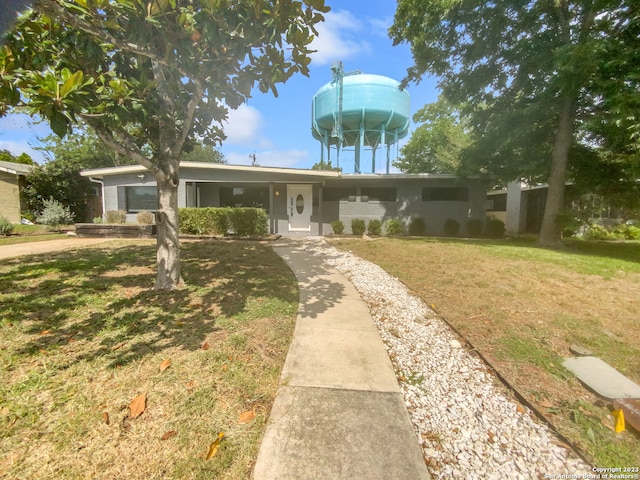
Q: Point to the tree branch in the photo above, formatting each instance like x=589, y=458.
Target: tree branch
x=55, y=10
x=126, y=147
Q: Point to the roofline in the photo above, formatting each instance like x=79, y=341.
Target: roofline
x=443, y=176
x=22, y=168
x=101, y=172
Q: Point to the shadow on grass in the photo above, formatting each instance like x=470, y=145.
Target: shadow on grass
x=105, y=296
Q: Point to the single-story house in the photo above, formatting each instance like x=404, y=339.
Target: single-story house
x=12, y=181
x=301, y=201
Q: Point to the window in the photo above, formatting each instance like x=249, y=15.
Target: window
x=336, y=194
x=257, y=197
x=445, y=194
x=378, y=194
x=141, y=198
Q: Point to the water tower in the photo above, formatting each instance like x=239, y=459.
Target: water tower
x=359, y=110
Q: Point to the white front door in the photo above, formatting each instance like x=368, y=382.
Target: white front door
x=299, y=206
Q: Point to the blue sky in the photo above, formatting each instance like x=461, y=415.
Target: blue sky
x=278, y=130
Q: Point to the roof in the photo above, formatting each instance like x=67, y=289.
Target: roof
x=102, y=172
x=15, y=168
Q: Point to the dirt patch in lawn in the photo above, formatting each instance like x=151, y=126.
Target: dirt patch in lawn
x=82, y=334
x=523, y=307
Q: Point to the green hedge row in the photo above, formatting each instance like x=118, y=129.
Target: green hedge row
x=243, y=222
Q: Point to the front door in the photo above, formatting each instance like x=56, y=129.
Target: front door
x=299, y=206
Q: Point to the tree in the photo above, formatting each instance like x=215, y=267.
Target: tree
x=436, y=145
x=204, y=153
x=525, y=72
x=83, y=149
x=151, y=76
x=325, y=166
x=23, y=158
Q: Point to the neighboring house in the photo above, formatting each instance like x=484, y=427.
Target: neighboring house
x=302, y=201
x=12, y=181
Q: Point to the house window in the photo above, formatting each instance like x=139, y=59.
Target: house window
x=141, y=198
x=257, y=197
x=337, y=194
x=378, y=194
x=445, y=194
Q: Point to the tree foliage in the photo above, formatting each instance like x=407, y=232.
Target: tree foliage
x=436, y=145
x=204, y=153
x=152, y=76
x=530, y=74
x=23, y=158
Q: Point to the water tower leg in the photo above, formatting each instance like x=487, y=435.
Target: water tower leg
x=383, y=141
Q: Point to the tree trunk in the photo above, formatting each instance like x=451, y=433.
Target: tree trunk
x=551, y=230
x=168, y=253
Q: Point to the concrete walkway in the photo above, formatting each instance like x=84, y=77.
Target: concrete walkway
x=339, y=412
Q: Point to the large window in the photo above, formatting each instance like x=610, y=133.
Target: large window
x=378, y=194
x=445, y=194
x=244, y=197
x=141, y=198
x=336, y=194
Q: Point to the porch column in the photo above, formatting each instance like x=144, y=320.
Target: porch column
x=271, y=208
x=320, y=216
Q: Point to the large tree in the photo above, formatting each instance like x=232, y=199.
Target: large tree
x=437, y=144
x=152, y=76
x=526, y=72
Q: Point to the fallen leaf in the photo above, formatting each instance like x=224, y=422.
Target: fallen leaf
x=120, y=345
x=168, y=435
x=519, y=409
x=205, y=346
x=215, y=445
x=137, y=406
x=165, y=364
x=105, y=417
x=44, y=332
x=246, y=417
x=224, y=367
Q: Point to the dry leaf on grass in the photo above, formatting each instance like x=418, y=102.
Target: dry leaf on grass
x=137, y=406
x=205, y=346
x=165, y=364
x=215, y=445
x=246, y=417
x=105, y=418
x=168, y=435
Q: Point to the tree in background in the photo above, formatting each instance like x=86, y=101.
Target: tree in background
x=151, y=76
x=436, y=145
x=529, y=74
x=23, y=158
x=202, y=152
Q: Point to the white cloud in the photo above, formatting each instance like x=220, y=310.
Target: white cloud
x=337, y=38
x=270, y=158
x=244, y=126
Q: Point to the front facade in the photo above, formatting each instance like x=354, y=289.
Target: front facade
x=302, y=202
x=12, y=181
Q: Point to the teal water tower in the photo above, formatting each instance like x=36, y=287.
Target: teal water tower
x=359, y=110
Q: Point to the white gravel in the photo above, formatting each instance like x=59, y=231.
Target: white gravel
x=468, y=427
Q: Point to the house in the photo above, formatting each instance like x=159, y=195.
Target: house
x=12, y=181
x=302, y=202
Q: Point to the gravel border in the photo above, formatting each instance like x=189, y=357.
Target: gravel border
x=465, y=422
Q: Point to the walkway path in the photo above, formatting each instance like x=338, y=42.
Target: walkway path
x=339, y=412
x=45, y=246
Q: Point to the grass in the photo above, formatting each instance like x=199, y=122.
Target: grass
x=82, y=333
x=523, y=306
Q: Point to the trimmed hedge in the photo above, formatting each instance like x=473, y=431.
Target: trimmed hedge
x=243, y=222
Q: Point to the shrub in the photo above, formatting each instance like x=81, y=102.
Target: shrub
x=145, y=218
x=97, y=219
x=374, y=227
x=248, y=222
x=6, y=227
x=115, y=216
x=394, y=227
x=474, y=227
x=495, y=228
x=417, y=226
x=451, y=227
x=627, y=232
x=337, y=226
x=597, y=232
x=55, y=214
x=357, y=226
x=204, y=221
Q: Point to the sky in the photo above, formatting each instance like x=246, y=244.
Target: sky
x=278, y=130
